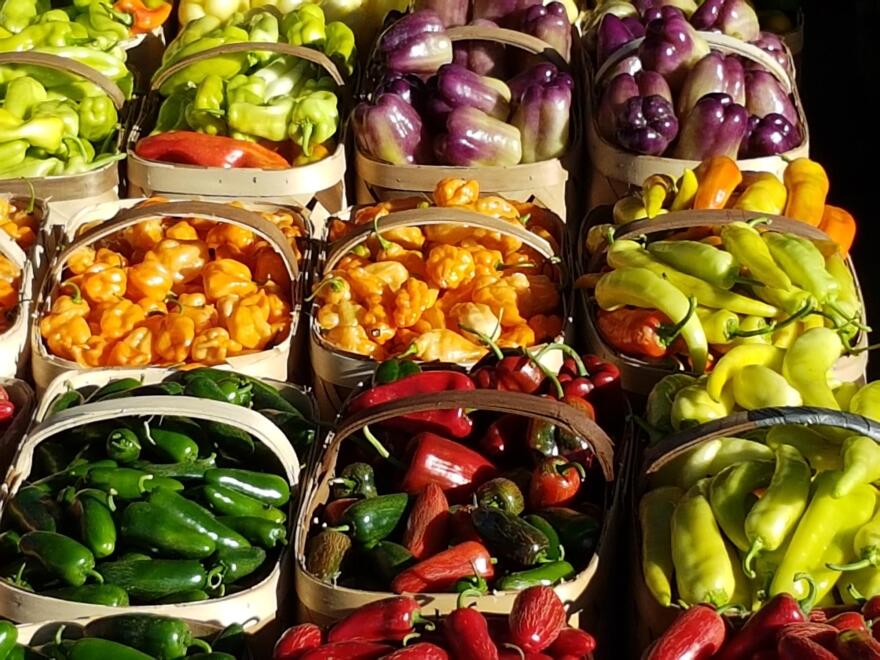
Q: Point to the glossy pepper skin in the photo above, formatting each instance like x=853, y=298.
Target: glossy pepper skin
x=808, y=186
x=732, y=17
x=443, y=570
x=715, y=127
x=655, y=515
x=60, y=555
x=536, y=618
x=417, y=43
x=190, y=148
x=671, y=46
x=555, y=482
x=472, y=138
x=467, y=635
x=457, y=469
x=698, y=632
x=765, y=96
x=486, y=58
x=770, y=135
x=427, y=527
x=543, y=118
x=389, y=619
x=714, y=73
x=647, y=125
x=348, y=651
x=639, y=332
x=296, y=640
x=454, y=86
x=761, y=629
x=159, y=636
x=623, y=87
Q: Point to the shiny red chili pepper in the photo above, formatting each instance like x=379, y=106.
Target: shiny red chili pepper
x=348, y=651
x=510, y=654
x=536, y=618
x=454, y=422
x=820, y=633
x=503, y=438
x=457, y=469
x=191, y=148
x=857, y=645
x=7, y=410
x=386, y=620
x=791, y=647
x=295, y=641
x=848, y=621
x=420, y=651
x=443, y=570
x=333, y=511
x=467, y=635
x=761, y=628
x=555, y=482
x=697, y=633
x=572, y=641
x=427, y=528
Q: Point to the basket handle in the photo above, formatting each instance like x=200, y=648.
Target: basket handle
x=69, y=66
x=302, y=53
x=720, y=42
x=507, y=37
x=183, y=209
x=515, y=403
x=678, y=443
x=436, y=215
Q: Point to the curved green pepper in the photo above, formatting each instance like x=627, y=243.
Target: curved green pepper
x=267, y=488
x=510, y=536
x=737, y=358
x=205, y=112
x=8, y=638
x=501, y=493
x=710, y=264
x=89, y=648
x=547, y=575
x=390, y=558
x=97, y=594
x=173, y=445
x=146, y=526
x=61, y=556
x=128, y=483
x=370, y=521
x=239, y=563
x=114, y=389
x=658, y=407
x=355, y=480
x=578, y=532
x=197, y=517
x=731, y=496
x=555, y=550
x=801, y=260
x=228, y=502
x=162, y=637
x=820, y=454
x=150, y=580
x=807, y=363
x=258, y=531
x=655, y=517
x=693, y=405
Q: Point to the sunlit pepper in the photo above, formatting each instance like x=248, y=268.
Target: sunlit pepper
x=81, y=260
x=94, y=353
x=133, y=350
x=350, y=336
x=145, y=235
x=176, y=334
x=377, y=320
x=239, y=238
x=518, y=335
x=120, y=318
x=183, y=231
x=225, y=277
x=546, y=327
x=64, y=330
x=148, y=279
x=103, y=283
x=412, y=299
x=456, y=192
x=449, y=266
x=446, y=346
x=766, y=194
x=807, y=185
x=213, y=346
x=501, y=297
x=185, y=260
x=269, y=266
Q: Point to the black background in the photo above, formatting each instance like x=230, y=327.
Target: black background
x=839, y=75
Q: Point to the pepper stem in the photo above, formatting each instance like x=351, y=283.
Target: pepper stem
x=852, y=566
x=77, y=292
x=408, y=638
x=749, y=559
x=384, y=243
x=565, y=467
x=549, y=375
x=342, y=481
x=773, y=327
x=864, y=349
x=335, y=284
x=33, y=197
x=412, y=350
x=568, y=351
x=201, y=644
x=215, y=577
x=515, y=649
x=418, y=619
x=380, y=448
x=486, y=339
x=855, y=593
x=96, y=576
x=668, y=334
x=467, y=593
x=806, y=604
x=754, y=222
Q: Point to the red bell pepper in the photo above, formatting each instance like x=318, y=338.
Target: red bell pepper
x=333, y=511
x=573, y=642
x=457, y=469
x=454, y=423
x=536, y=618
x=857, y=645
x=192, y=148
x=295, y=641
x=848, y=621
x=427, y=528
x=7, y=411
x=697, y=633
x=348, y=651
x=467, y=635
x=420, y=651
x=762, y=627
x=792, y=647
x=443, y=570
x=387, y=620
x=555, y=482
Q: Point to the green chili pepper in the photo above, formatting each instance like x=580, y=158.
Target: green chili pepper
x=175, y=446
x=8, y=637
x=114, y=389
x=314, y=119
x=158, y=578
x=128, y=483
x=861, y=464
x=92, y=509
x=803, y=263
x=776, y=513
x=30, y=510
x=12, y=154
x=501, y=493
x=188, y=471
x=232, y=639
x=172, y=112
x=820, y=454
x=709, y=458
x=789, y=301
x=710, y=264
x=731, y=495
x=162, y=637
x=355, y=480
x=205, y=112
x=693, y=405
x=642, y=288
x=339, y=46
x=258, y=531
x=44, y=132
x=510, y=536
x=16, y=15
x=370, y=521
x=89, y=648
x=548, y=575
x=866, y=401
x=744, y=242
x=146, y=526
x=737, y=358
x=97, y=594
x=393, y=370
x=240, y=563
x=50, y=458
x=123, y=446
x=704, y=572
x=231, y=441
x=268, y=121
x=389, y=559
x=807, y=363
x=555, y=550
x=756, y=386
x=228, y=502
x=473, y=583
x=196, y=517
x=655, y=517
x=265, y=396
x=267, y=488
x=61, y=556
x=659, y=404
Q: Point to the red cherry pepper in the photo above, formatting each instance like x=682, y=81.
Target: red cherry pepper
x=348, y=651
x=791, y=647
x=536, y=618
x=510, y=654
x=389, y=619
x=848, y=621
x=761, y=628
x=467, y=635
x=420, y=651
x=503, y=438
x=427, y=528
x=333, y=511
x=443, y=570
x=457, y=469
x=295, y=641
x=510, y=371
x=454, y=422
x=555, y=482
x=572, y=641
x=857, y=645
x=697, y=633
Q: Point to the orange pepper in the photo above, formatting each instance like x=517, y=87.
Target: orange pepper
x=412, y=260
x=175, y=336
x=334, y=288
x=433, y=318
x=64, y=330
x=502, y=298
x=807, y=184
x=185, y=260
x=536, y=294
x=227, y=276
x=239, y=239
x=213, y=346
x=328, y=315
x=119, y=318
x=411, y=301
x=449, y=266
x=195, y=306
x=377, y=321
x=349, y=335
x=81, y=260
x=840, y=226
x=9, y=284
x=19, y=224
x=497, y=207
x=446, y=346
x=486, y=261
x=456, y=192
x=149, y=279
x=145, y=235
x=182, y=231
x=248, y=321
x=103, y=283
x=144, y=19
x=269, y=266
x=110, y=257
x=518, y=335
x=73, y=303
x=94, y=353
x=151, y=306
x=448, y=233
x=133, y=350
x=718, y=177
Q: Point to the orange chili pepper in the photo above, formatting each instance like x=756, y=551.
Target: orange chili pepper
x=227, y=276
x=175, y=336
x=840, y=226
x=269, y=266
x=182, y=231
x=103, y=283
x=248, y=321
x=718, y=177
x=185, y=260
x=119, y=318
x=144, y=19
x=94, y=353
x=213, y=346
x=133, y=350
x=456, y=192
x=149, y=279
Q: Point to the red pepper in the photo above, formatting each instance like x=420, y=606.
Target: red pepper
x=461, y=525
x=514, y=372
x=875, y=629
x=857, y=645
x=761, y=628
x=386, y=620
x=871, y=608
x=457, y=469
x=467, y=635
x=7, y=411
x=791, y=647
x=454, y=423
x=191, y=148
x=295, y=641
x=503, y=438
x=848, y=621
x=572, y=641
x=555, y=482
x=603, y=374
x=820, y=633
x=697, y=633
x=333, y=511
x=443, y=570
x=348, y=651
x=427, y=529
x=510, y=654
x=536, y=618
x=420, y=651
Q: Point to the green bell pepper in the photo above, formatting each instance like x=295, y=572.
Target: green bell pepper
x=226, y=66
x=76, y=90
x=205, y=112
x=305, y=26
x=16, y=15
x=105, y=26
x=245, y=89
x=172, y=112
x=43, y=132
x=339, y=46
x=314, y=120
x=262, y=27
x=78, y=164
x=12, y=154
x=64, y=110
x=266, y=121
x=104, y=62
x=22, y=94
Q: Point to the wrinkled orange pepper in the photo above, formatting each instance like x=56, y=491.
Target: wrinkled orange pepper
x=411, y=301
x=456, y=192
x=449, y=267
x=149, y=279
x=133, y=350
x=185, y=260
x=103, y=283
x=175, y=336
x=248, y=322
x=226, y=277
x=213, y=346
x=144, y=19
x=119, y=318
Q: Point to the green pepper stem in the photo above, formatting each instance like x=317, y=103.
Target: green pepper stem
x=418, y=619
x=562, y=469
x=806, y=604
x=749, y=559
x=747, y=281
x=864, y=349
x=668, y=334
x=342, y=481
x=852, y=566
x=335, y=284
x=549, y=375
x=96, y=576
x=754, y=222
x=467, y=593
x=384, y=243
x=568, y=351
x=855, y=593
x=524, y=219
x=486, y=339
x=201, y=644
x=77, y=292
x=215, y=577
x=33, y=197
x=412, y=350
x=380, y=448
x=773, y=326
x=59, y=634
x=142, y=481
x=408, y=638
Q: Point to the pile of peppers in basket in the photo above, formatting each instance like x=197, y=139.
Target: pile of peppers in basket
x=10, y=283
x=395, y=628
x=18, y=221
x=432, y=291
x=448, y=501
x=735, y=520
x=215, y=111
x=149, y=509
x=677, y=296
x=129, y=637
x=171, y=290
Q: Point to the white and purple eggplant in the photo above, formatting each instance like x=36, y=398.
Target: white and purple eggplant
x=507, y=13
x=391, y=130
x=715, y=127
x=714, y=73
x=620, y=90
x=764, y=96
x=735, y=18
x=672, y=47
x=550, y=24
x=417, y=44
x=486, y=58
x=543, y=117
x=474, y=139
x=647, y=125
x=774, y=46
x=407, y=86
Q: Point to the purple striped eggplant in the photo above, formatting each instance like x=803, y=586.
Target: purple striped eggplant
x=764, y=95
x=713, y=73
x=456, y=86
x=451, y=12
x=550, y=23
x=715, y=127
x=732, y=17
x=614, y=33
x=486, y=58
x=646, y=125
x=672, y=47
x=474, y=139
x=391, y=130
x=620, y=89
x=768, y=136
x=507, y=13
x=416, y=44
x=407, y=86
x=543, y=117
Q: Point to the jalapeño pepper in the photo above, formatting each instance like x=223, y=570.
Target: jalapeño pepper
x=30, y=510
x=370, y=521
x=390, y=558
x=547, y=575
x=89, y=648
x=268, y=488
x=161, y=637
x=168, y=443
x=228, y=502
x=393, y=370
x=123, y=446
x=501, y=493
x=239, y=563
x=578, y=532
x=258, y=531
x=510, y=536
x=97, y=594
x=149, y=527
x=196, y=517
x=355, y=480
x=61, y=556
x=114, y=389
x=555, y=551
x=128, y=483
x=150, y=580
x=92, y=510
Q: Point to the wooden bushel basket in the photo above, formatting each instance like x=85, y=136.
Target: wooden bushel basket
x=639, y=375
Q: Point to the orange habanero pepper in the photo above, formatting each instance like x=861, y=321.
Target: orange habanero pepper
x=224, y=277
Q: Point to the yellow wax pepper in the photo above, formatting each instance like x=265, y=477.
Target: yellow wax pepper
x=148, y=279
x=183, y=231
x=175, y=336
x=248, y=323
x=446, y=346
x=449, y=266
x=764, y=194
x=350, y=336
x=226, y=277
x=185, y=260
x=119, y=318
x=413, y=298
x=213, y=346
x=133, y=350
x=103, y=283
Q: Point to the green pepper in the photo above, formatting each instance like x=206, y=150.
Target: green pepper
x=475, y=583
x=547, y=575
x=22, y=94
x=96, y=594
x=659, y=404
x=807, y=363
x=820, y=454
x=267, y=488
x=173, y=445
x=150, y=580
x=61, y=556
x=196, y=517
x=245, y=89
x=731, y=496
x=12, y=154
x=97, y=118
x=16, y=15
x=167, y=388
x=226, y=66
x=50, y=458
x=370, y=521
x=172, y=112
x=44, y=132
x=104, y=25
x=541, y=437
x=737, y=358
x=54, y=34
x=555, y=551
x=239, y=563
x=30, y=510
x=123, y=446
x=187, y=471
x=258, y=531
x=232, y=639
x=861, y=464
x=708, y=458
x=162, y=482
x=8, y=638
x=866, y=545
x=393, y=370
x=134, y=556
x=326, y=553
x=510, y=536
x=744, y=242
x=146, y=526
x=578, y=532
x=268, y=121
x=756, y=386
x=92, y=509
x=655, y=516
x=114, y=389
x=314, y=119
x=228, y=502
x=231, y=441
x=866, y=401
x=389, y=559
x=128, y=483
x=205, y=113
x=704, y=572
x=64, y=110
x=191, y=32
x=162, y=637
x=339, y=46
x=501, y=493
x=188, y=596
x=264, y=395
x=710, y=264
x=33, y=168
x=203, y=387
x=64, y=401
x=9, y=541
x=824, y=521
x=802, y=262
x=107, y=63
x=693, y=405
x=89, y=648
x=304, y=26
x=355, y=480
x=643, y=288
